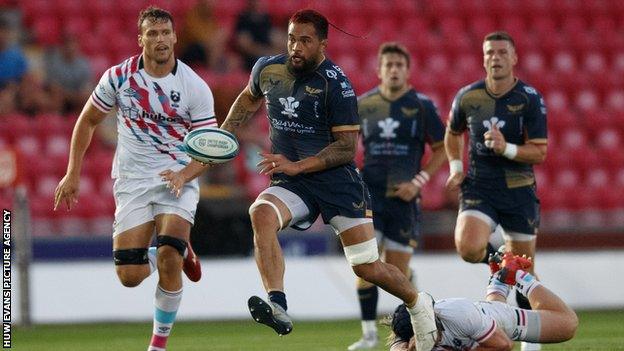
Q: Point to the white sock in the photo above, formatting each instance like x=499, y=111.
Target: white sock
x=369, y=329
x=526, y=283
x=166, y=305
x=495, y=286
x=152, y=252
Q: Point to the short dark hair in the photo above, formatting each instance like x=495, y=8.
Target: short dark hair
x=394, y=48
x=154, y=14
x=320, y=23
x=500, y=35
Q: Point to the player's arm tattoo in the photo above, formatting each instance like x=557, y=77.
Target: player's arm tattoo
x=340, y=151
x=241, y=111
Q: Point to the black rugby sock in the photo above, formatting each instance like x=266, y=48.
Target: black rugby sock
x=522, y=301
x=368, y=302
x=279, y=298
x=489, y=250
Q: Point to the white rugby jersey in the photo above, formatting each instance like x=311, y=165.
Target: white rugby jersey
x=153, y=115
x=465, y=324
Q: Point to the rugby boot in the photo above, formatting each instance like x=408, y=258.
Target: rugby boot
x=510, y=264
x=270, y=314
x=495, y=259
x=423, y=322
x=191, y=267
x=365, y=343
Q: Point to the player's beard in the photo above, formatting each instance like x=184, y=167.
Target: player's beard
x=308, y=66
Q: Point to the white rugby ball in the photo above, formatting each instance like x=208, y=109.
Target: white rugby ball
x=211, y=145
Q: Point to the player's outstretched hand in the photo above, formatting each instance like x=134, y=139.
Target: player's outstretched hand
x=67, y=191
x=277, y=163
x=454, y=180
x=406, y=191
x=175, y=181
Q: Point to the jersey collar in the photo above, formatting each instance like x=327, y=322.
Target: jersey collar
x=173, y=71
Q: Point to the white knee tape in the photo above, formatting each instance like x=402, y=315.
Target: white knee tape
x=259, y=202
x=361, y=253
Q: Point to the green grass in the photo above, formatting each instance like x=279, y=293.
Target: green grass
x=598, y=330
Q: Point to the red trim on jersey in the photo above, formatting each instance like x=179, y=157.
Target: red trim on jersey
x=210, y=123
x=488, y=333
x=98, y=104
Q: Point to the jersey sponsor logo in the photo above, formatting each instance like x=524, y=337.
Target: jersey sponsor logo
x=388, y=126
x=160, y=118
x=291, y=126
x=358, y=206
x=347, y=90
x=312, y=91
x=493, y=122
x=515, y=108
x=408, y=112
x=331, y=74
x=471, y=202
x=290, y=105
x=530, y=90
x=339, y=70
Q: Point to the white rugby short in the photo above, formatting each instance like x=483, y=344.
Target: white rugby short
x=138, y=201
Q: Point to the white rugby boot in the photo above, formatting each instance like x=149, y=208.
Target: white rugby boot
x=365, y=343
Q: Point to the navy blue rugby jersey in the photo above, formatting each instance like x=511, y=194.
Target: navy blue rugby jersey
x=303, y=111
x=394, y=135
x=520, y=115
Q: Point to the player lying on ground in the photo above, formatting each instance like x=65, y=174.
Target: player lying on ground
x=493, y=324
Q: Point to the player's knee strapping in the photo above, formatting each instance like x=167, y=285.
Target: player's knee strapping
x=130, y=256
x=178, y=244
x=259, y=202
x=362, y=253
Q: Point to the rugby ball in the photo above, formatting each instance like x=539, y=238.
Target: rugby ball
x=211, y=145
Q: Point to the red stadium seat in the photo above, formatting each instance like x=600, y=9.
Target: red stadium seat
x=614, y=101
x=69, y=9
x=573, y=140
x=594, y=62
x=587, y=100
x=557, y=101
x=564, y=62
x=608, y=138
x=47, y=31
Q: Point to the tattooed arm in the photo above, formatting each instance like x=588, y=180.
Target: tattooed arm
x=242, y=110
x=335, y=154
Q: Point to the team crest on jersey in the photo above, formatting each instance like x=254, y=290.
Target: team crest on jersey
x=494, y=121
x=388, y=126
x=409, y=112
x=290, y=105
x=515, y=108
x=174, y=96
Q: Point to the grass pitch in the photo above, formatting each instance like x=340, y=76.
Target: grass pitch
x=598, y=330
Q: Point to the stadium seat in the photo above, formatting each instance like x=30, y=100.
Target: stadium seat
x=47, y=31
x=69, y=9
x=564, y=62
x=614, y=101
x=587, y=100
